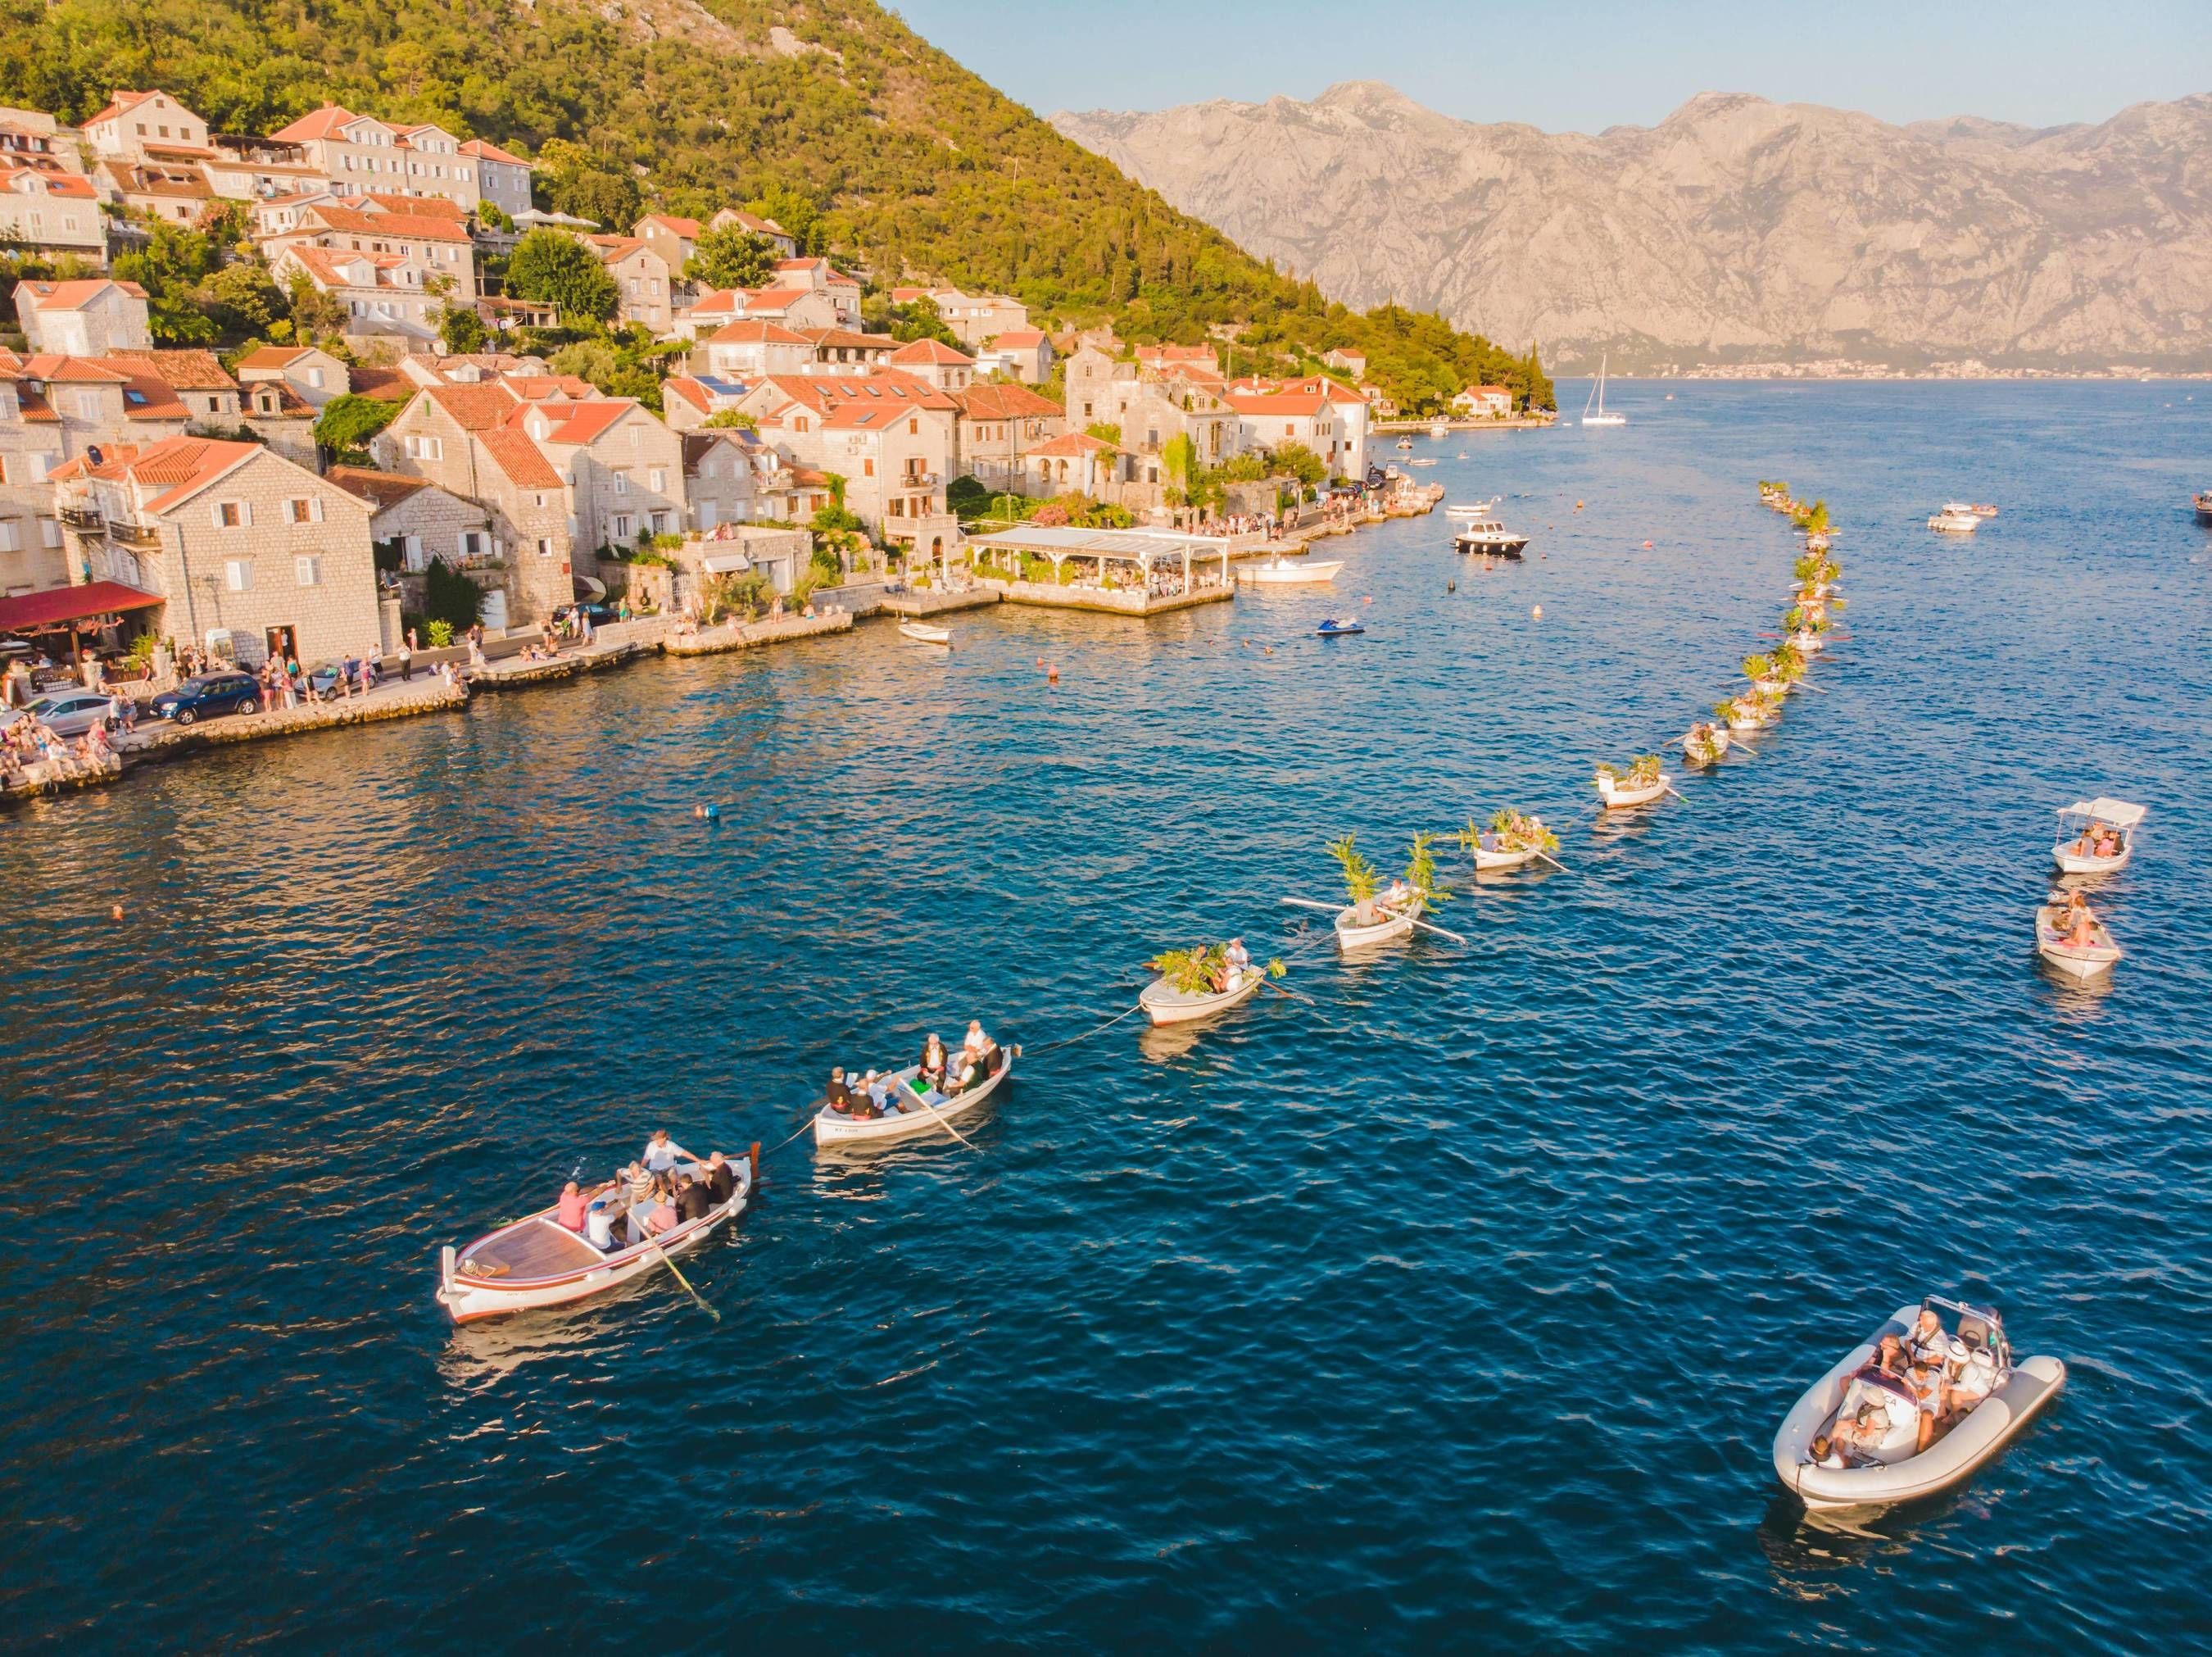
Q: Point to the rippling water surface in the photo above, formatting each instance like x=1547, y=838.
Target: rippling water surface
x=1454, y=1303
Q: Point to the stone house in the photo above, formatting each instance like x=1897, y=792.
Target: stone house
x=502, y=177
x=935, y=363
x=801, y=308
x=1151, y=408
x=52, y=214
x=888, y=435
x=752, y=349
x=135, y=122
x=200, y=381
x=31, y=549
x=273, y=411
x=689, y=401
x=997, y=425
x=642, y=279
x=176, y=192
x=1022, y=354
x=414, y=520
x=418, y=250
x=819, y=276
x=1076, y=463
x=719, y=473
x=236, y=541
x=360, y=153
x=975, y=319
x=623, y=469
x=1270, y=419
x=84, y=401
x=1345, y=360
x=845, y=351
x=768, y=230
x=315, y=375
x=1484, y=402
x=83, y=319
x=252, y=170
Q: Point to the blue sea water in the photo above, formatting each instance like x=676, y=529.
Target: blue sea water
x=1451, y=1305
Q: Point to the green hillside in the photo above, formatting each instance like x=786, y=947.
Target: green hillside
x=848, y=126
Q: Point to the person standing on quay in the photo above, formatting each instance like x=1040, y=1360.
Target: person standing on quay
x=407, y=656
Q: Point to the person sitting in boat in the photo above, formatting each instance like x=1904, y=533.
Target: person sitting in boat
x=1928, y=1387
x=692, y=1200
x=721, y=1180
x=661, y=1153
x=573, y=1207
x=873, y=1097
x=1240, y=962
x=660, y=1218
x=2108, y=838
x=932, y=1073
x=837, y=1096
x=1973, y=1378
x=958, y=1076
x=1889, y=1356
x=1396, y=895
x=975, y=1045
x=2081, y=933
x=639, y=1181
x=1927, y=1343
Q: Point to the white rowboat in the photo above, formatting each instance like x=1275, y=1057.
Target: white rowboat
x=1165, y=1004
x=537, y=1261
x=1281, y=572
x=1618, y=794
x=1485, y=859
x=2118, y=813
x=1353, y=934
x=1897, y=1475
x=923, y=633
x=924, y=1113
x=2075, y=960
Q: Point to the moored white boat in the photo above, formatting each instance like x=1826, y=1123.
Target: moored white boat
x=1596, y=401
x=1285, y=572
x=2054, y=943
x=1949, y=522
x=1488, y=536
x=918, y=1112
x=2122, y=818
x=924, y=632
x=1165, y=1004
x=1806, y=641
x=1616, y=795
x=537, y=1261
x=1895, y=1470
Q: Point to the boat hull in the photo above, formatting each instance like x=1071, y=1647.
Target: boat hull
x=923, y=633
x=2072, y=863
x=1291, y=575
x=832, y=1128
x=1496, y=546
x=2075, y=960
x=1486, y=861
x=472, y=1300
x=1165, y=1004
x=1952, y=1459
x=1351, y=936
x=1616, y=797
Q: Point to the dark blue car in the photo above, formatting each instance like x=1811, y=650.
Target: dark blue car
x=206, y=695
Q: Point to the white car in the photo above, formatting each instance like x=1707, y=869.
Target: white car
x=66, y=713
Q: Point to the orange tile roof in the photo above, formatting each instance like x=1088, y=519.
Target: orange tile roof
x=180, y=467
x=687, y=228
x=273, y=356
x=322, y=124
x=1018, y=339
x=688, y=389
x=54, y=183
x=187, y=370
x=489, y=151
x=381, y=385
x=1074, y=443
x=1275, y=402
x=522, y=460
x=932, y=350
x=476, y=408
x=113, y=457
x=755, y=330
x=990, y=401
x=72, y=296
x=380, y=488
x=420, y=227
x=435, y=207
x=120, y=103
x=575, y=423
x=885, y=387
x=846, y=339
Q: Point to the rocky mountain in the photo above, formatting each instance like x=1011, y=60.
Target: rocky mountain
x=1735, y=230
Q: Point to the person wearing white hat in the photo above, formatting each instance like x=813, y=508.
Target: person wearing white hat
x=1975, y=1376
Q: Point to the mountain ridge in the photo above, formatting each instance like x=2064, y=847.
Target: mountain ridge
x=1735, y=229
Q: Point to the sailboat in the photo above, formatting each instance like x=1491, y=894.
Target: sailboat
x=1597, y=401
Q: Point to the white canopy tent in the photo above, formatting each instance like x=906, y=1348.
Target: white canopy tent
x=1148, y=550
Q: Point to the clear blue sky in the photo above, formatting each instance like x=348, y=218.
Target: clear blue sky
x=1583, y=65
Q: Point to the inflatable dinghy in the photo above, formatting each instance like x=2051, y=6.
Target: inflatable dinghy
x=1890, y=1472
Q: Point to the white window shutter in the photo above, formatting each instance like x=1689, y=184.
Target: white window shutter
x=315, y=508
x=215, y=513
x=245, y=513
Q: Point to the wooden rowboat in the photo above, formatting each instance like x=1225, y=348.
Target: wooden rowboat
x=922, y=632
x=537, y=1261
x=1280, y=572
x=1165, y=1004
x=2075, y=960
x=1616, y=796
x=922, y=1112
x=1353, y=934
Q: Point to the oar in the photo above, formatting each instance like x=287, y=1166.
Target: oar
x=1291, y=995
x=942, y=1123
x=1439, y=931
x=1670, y=789
x=668, y=1262
x=1307, y=903
x=1553, y=862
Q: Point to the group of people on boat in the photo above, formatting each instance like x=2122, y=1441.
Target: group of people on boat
x=2098, y=840
x=666, y=1186
x=1924, y=1384
x=947, y=1072
x=2073, y=920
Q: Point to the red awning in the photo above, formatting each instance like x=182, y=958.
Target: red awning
x=59, y=604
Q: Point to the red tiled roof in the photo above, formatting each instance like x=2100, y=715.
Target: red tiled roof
x=72, y=296
x=435, y=207
x=273, y=356
x=419, y=225
x=1074, y=443
x=1276, y=402
x=491, y=152
x=475, y=408
x=614, y=249
x=187, y=370
x=932, y=350
x=573, y=423
x=55, y=184
x=112, y=455
x=180, y=467
x=756, y=331
x=1018, y=339
x=289, y=403
x=522, y=460
x=323, y=124
x=989, y=401
x=688, y=389
x=380, y=488
x=381, y=385
x=687, y=228
x=846, y=339
x=120, y=103
x=717, y=300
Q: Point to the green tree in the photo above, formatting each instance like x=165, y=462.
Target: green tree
x=170, y=266
x=460, y=330
x=451, y=597
x=1297, y=460
x=550, y=265
x=915, y=320
x=242, y=299
x=348, y=422
x=315, y=314
x=609, y=200
x=731, y=257
x=727, y=420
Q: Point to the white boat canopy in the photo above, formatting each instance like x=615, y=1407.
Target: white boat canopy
x=2118, y=812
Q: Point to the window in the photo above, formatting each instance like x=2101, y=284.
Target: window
x=307, y=570
x=412, y=551
x=308, y=510
x=50, y=530
x=473, y=544
x=9, y=540
x=622, y=525
x=913, y=428
x=238, y=574
x=232, y=514
x=420, y=448
x=87, y=404
x=657, y=481
x=621, y=482
x=315, y=378
x=868, y=468
x=544, y=547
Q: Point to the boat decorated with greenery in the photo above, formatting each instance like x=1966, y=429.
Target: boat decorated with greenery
x=1513, y=840
x=1638, y=784
x=1198, y=983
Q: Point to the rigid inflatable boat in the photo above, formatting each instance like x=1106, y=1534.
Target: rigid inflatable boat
x=1890, y=1472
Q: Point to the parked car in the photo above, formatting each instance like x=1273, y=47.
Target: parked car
x=600, y=614
x=66, y=713
x=206, y=695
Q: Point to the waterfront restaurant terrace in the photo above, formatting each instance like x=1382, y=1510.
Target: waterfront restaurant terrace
x=1135, y=572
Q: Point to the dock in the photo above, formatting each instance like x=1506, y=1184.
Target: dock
x=754, y=635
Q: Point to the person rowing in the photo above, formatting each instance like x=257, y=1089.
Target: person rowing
x=1240, y=961
x=1396, y=895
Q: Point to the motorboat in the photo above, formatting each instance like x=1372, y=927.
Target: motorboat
x=1488, y=536
x=1332, y=628
x=1617, y=789
x=1285, y=572
x=923, y=632
x=2116, y=815
x=1164, y=1003
x=1405, y=442
x=1955, y=520
x=1425, y=460
x=1474, y=508
x=1880, y=1471
x=2202, y=501
x=1596, y=401
x=2054, y=941
x=908, y=1109
x=537, y=1261
x=1439, y=429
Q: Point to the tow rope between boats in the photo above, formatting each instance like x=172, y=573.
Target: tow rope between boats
x=1070, y=1041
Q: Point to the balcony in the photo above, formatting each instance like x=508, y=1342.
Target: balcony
x=918, y=480
x=127, y=533
x=85, y=518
